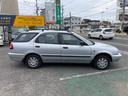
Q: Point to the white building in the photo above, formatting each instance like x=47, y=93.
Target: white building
x=74, y=21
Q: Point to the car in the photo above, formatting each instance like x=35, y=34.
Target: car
x=51, y=46
x=1, y=39
x=103, y=33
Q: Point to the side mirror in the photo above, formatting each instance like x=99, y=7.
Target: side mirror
x=82, y=43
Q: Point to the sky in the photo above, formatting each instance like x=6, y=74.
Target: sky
x=88, y=9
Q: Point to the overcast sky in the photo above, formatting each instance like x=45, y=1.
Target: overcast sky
x=89, y=9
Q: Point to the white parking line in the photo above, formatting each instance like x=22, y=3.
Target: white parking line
x=96, y=73
x=92, y=74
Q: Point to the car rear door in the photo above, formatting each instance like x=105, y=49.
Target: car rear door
x=47, y=45
x=72, y=51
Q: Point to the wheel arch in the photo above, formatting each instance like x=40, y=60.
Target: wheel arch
x=32, y=54
x=106, y=54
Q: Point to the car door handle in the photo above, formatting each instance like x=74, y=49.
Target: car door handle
x=65, y=47
x=37, y=46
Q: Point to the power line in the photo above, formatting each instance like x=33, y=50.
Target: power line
x=94, y=7
x=99, y=13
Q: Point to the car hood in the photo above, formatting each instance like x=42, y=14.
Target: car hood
x=103, y=44
x=101, y=47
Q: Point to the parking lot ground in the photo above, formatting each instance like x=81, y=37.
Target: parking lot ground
x=106, y=84
x=18, y=80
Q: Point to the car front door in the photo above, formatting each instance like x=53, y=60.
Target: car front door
x=48, y=47
x=72, y=50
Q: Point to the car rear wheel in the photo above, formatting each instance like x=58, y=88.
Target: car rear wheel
x=33, y=61
x=111, y=38
x=101, y=37
x=102, y=62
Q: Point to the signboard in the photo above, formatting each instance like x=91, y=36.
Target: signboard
x=125, y=17
x=7, y=20
x=50, y=12
x=29, y=21
x=19, y=21
x=58, y=12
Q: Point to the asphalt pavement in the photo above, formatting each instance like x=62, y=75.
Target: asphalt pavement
x=65, y=80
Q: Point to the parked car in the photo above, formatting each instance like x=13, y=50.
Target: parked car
x=36, y=48
x=1, y=39
x=103, y=33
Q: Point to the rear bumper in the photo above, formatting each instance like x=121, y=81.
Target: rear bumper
x=116, y=57
x=108, y=36
x=16, y=56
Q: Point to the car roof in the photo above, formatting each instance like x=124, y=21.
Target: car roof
x=46, y=31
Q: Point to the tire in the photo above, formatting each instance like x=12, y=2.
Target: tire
x=111, y=38
x=33, y=61
x=89, y=36
x=102, y=62
x=101, y=37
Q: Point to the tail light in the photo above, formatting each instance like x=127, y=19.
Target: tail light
x=10, y=45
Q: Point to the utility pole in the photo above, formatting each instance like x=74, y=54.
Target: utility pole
x=37, y=8
x=70, y=20
x=123, y=15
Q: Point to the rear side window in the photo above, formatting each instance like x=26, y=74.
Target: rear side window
x=108, y=30
x=25, y=37
x=48, y=38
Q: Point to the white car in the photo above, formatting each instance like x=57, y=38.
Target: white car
x=103, y=33
x=1, y=40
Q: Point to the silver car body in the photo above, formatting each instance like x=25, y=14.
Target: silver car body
x=58, y=53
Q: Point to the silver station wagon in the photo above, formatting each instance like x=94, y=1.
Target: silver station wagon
x=49, y=46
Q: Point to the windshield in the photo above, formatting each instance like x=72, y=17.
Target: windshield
x=89, y=42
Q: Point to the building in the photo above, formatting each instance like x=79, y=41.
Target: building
x=88, y=24
x=74, y=21
x=9, y=7
x=43, y=12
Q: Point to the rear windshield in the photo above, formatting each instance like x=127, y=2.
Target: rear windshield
x=25, y=37
x=108, y=30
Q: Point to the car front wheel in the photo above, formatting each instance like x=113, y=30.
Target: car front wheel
x=101, y=37
x=102, y=62
x=33, y=61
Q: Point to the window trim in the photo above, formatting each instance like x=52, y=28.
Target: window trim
x=24, y=41
x=46, y=34
x=72, y=35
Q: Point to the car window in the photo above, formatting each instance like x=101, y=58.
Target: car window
x=49, y=38
x=108, y=30
x=98, y=30
x=69, y=39
x=25, y=37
